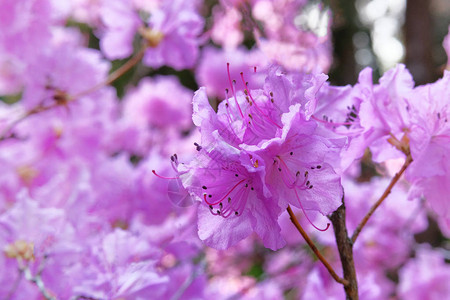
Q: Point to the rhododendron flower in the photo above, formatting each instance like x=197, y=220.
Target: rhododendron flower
x=429, y=142
x=171, y=32
x=425, y=277
x=258, y=154
x=297, y=170
x=212, y=73
x=289, y=43
x=175, y=30
x=227, y=29
x=233, y=199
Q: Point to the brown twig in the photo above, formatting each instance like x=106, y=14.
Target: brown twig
x=345, y=248
x=314, y=248
x=386, y=192
x=111, y=78
x=116, y=74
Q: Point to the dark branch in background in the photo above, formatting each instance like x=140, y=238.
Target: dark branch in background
x=418, y=41
x=345, y=20
x=345, y=247
x=314, y=248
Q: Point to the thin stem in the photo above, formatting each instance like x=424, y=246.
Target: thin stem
x=386, y=192
x=111, y=78
x=116, y=74
x=314, y=248
x=4, y=134
x=37, y=280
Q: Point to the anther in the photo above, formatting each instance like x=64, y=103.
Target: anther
x=237, y=175
x=229, y=199
x=210, y=207
x=204, y=187
x=197, y=147
x=319, y=166
x=236, y=213
x=292, y=153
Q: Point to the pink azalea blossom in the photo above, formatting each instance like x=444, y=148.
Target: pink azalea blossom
x=429, y=136
x=227, y=30
x=171, y=32
x=425, y=276
x=212, y=71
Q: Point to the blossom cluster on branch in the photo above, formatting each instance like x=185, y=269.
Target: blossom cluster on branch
x=97, y=97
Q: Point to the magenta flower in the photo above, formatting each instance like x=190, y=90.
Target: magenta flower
x=289, y=39
x=429, y=140
x=298, y=169
x=425, y=277
x=171, y=32
x=65, y=70
x=234, y=204
x=212, y=72
x=384, y=111
x=174, y=32
x=117, y=39
x=226, y=29
x=258, y=154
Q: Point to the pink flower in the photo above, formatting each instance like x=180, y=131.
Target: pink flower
x=212, y=73
x=171, y=32
x=429, y=136
x=177, y=26
x=425, y=277
x=226, y=29
x=117, y=40
x=234, y=204
x=258, y=153
x=289, y=42
x=297, y=167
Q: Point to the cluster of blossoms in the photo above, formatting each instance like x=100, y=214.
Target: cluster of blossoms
x=92, y=208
